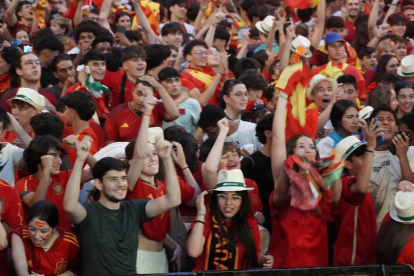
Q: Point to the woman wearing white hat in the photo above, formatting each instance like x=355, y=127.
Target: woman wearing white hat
x=395, y=241
x=227, y=236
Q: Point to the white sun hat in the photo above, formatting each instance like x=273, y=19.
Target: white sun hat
x=230, y=181
x=265, y=25
x=154, y=132
x=315, y=80
x=403, y=208
x=366, y=112
x=31, y=97
x=407, y=67
x=347, y=146
x=301, y=41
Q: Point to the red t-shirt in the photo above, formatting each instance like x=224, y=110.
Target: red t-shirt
x=61, y=257
x=350, y=36
x=299, y=238
x=101, y=103
x=67, y=130
x=123, y=123
x=114, y=81
x=72, y=154
x=12, y=215
x=189, y=81
x=407, y=254
x=202, y=261
x=48, y=94
x=363, y=230
x=158, y=228
x=55, y=194
x=17, y=26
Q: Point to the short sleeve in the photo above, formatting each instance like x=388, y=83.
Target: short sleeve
x=139, y=207
x=195, y=112
x=187, y=192
x=17, y=154
x=347, y=182
x=111, y=129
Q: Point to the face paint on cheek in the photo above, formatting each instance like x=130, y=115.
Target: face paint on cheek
x=31, y=233
x=47, y=236
x=167, y=87
x=39, y=223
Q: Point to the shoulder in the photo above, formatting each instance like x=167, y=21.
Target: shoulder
x=123, y=106
x=247, y=125
x=73, y=87
x=4, y=186
x=69, y=238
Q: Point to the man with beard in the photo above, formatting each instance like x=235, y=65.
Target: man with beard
x=352, y=7
x=104, y=247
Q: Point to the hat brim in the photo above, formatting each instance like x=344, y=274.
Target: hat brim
x=394, y=216
x=230, y=189
x=399, y=71
x=329, y=79
x=258, y=26
x=35, y=106
x=307, y=55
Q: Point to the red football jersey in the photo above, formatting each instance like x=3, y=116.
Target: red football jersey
x=356, y=226
x=189, y=81
x=48, y=94
x=157, y=228
x=19, y=25
x=94, y=145
x=213, y=256
x=114, y=81
x=123, y=123
x=62, y=256
x=11, y=214
x=55, y=193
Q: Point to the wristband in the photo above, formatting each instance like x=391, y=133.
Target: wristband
x=159, y=85
x=214, y=25
x=200, y=214
x=184, y=168
x=369, y=151
x=146, y=114
x=199, y=221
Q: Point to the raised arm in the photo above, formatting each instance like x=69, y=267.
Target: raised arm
x=391, y=9
x=75, y=211
x=77, y=19
x=45, y=179
x=143, y=21
x=212, y=29
x=271, y=38
x=319, y=24
x=140, y=150
x=285, y=48
x=204, y=98
x=372, y=20
x=19, y=131
x=171, y=108
x=172, y=198
x=383, y=30
x=200, y=15
x=196, y=239
x=11, y=13
x=103, y=14
x=243, y=50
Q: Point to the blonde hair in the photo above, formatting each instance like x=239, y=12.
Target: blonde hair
x=384, y=45
x=67, y=42
x=63, y=23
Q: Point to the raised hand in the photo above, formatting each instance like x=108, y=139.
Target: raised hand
x=405, y=186
x=401, y=142
x=83, y=148
x=371, y=133
x=223, y=125
x=201, y=207
x=218, y=17
x=163, y=148
x=260, y=218
x=71, y=141
x=46, y=164
x=149, y=103
x=150, y=79
x=178, y=155
x=384, y=29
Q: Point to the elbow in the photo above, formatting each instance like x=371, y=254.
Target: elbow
x=192, y=251
x=3, y=244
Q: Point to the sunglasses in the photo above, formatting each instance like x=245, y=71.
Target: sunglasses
x=17, y=43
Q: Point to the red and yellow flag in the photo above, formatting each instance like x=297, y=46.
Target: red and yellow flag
x=302, y=5
x=152, y=13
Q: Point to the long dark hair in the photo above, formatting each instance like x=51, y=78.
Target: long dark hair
x=382, y=67
x=227, y=87
x=239, y=227
x=10, y=55
x=391, y=240
x=338, y=111
x=190, y=148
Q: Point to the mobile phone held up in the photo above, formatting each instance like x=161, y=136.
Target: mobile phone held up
x=391, y=146
x=380, y=139
x=27, y=48
x=120, y=29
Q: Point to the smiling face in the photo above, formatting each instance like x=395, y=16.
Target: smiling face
x=135, y=67
x=23, y=112
x=349, y=121
x=322, y=94
x=401, y=50
x=179, y=11
x=406, y=100
x=353, y=8
x=39, y=231
x=57, y=161
x=237, y=98
x=305, y=147
x=229, y=204
x=198, y=57
x=97, y=68
x=387, y=122
x=113, y=186
x=229, y=160
x=26, y=12
x=392, y=65
x=151, y=162
x=22, y=36
x=124, y=21
x=398, y=29
x=175, y=39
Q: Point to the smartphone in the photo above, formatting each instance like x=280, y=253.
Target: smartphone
x=391, y=146
x=120, y=29
x=380, y=139
x=27, y=48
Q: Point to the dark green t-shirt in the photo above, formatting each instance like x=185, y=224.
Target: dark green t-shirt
x=109, y=238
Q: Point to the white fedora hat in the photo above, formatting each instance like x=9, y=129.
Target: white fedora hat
x=301, y=41
x=315, y=80
x=403, y=208
x=230, y=181
x=154, y=132
x=407, y=67
x=265, y=25
x=366, y=112
x=347, y=146
x=31, y=97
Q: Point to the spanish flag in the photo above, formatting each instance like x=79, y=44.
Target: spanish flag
x=38, y=9
x=299, y=120
x=152, y=13
x=302, y=5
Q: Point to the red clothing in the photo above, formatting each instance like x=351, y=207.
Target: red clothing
x=363, y=231
x=268, y=76
x=72, y=154
x=4, y=82
x=67, y=130
x=299, y=238
x=123, y=123
x=55, y=194
x=114, y=81
x=101, y=102
x=19, y=25
x=407, y=254
x=158, y=228
x=48, y=94
x=350, y=27
x=202, y=262
x=189, y=81
x=12, y=214
x=186, y=210
x=61, y=257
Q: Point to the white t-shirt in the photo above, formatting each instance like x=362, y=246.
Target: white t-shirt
x=190, y=111
x=245, y=134
x=9, y=159
x=188, y=28
x=325, y=147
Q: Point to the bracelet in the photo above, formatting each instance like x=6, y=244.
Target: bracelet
x=200, y=214
x=159, y=85
x=146, y=114
x=185, y=168
x=369, y=151
x=199, y=221
x=221, y=73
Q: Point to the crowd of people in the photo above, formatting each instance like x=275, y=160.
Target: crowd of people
x=179, y=135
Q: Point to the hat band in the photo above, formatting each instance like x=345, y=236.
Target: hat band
x=407, y=74
x=265, y=31
x=366, y=115
x=23, y=97
x=354, y=146
x=231, y=184
x=405, y=218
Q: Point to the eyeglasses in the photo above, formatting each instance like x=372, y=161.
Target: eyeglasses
x=172, y=80
x=303, y=148
x=239, y=94
x=33, y=62
x=200, y=52
x=17, y=43
x=224, y=198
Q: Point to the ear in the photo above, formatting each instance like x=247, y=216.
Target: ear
x=54, y=74
x=268, y=134
x=189, y=58
x=312, y=98
x=19, y=71
x=348, y=164
x=98, y=184
x=124, y=66
x=171, y=7
x=226, y=98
